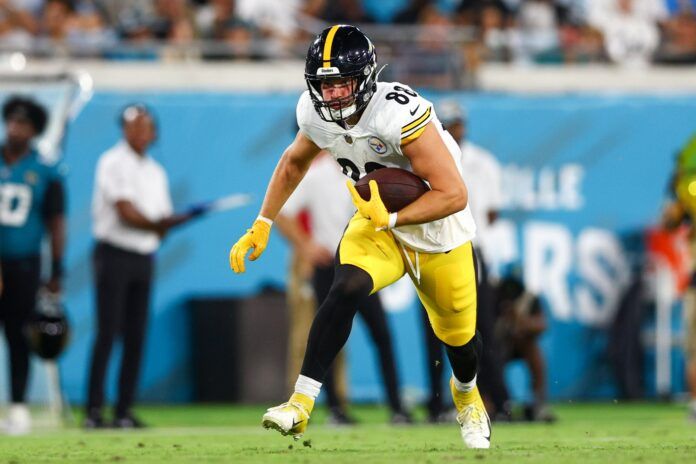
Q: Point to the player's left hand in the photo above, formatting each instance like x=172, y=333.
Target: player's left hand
x=256, y=238
x=374, y=208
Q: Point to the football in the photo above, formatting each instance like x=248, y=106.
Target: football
x=397, y=187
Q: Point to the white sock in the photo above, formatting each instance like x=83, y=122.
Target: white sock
x=464, y=387
x=692, y=404
x=308, y=387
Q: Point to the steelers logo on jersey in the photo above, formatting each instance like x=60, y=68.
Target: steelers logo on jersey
x=377, y=145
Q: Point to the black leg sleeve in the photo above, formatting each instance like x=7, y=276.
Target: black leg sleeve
x=321, y=282
x=334, y=320
x=435, y=358
x=464, y=359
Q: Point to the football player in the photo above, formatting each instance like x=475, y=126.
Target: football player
x=366, y=125
x=682, y=210
x=32, y=205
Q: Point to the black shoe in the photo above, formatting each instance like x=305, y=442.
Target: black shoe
x=401, y=418
x=539, y=413
x=542, y=413
x=448, y=416
x=339, y=417
x=94, y=420
x=128, y=421
x=502, y=416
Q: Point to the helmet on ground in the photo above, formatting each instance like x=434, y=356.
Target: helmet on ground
x=48, y=330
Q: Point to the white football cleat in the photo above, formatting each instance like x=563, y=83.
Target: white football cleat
x=289, y=418
x=18, y=420
x=475, y=426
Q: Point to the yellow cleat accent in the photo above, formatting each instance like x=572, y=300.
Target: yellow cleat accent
x=474, y=423
x=289, y=418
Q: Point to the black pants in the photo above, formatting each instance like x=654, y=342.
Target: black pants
x=373, y=314
x=491, y=379
x=123, y=281
x=17, y=304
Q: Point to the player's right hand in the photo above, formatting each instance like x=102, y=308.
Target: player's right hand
x=372, y=209
x=256, y=238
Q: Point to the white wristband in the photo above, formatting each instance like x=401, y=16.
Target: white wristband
x=392, y=221
x=265, y=219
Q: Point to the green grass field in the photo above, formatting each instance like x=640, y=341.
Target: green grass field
x=585, y=433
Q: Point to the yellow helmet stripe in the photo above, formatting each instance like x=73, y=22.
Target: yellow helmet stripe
x=327, y=46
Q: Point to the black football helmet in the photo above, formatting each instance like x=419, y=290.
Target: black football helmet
x=48, y=330
x=341, y=51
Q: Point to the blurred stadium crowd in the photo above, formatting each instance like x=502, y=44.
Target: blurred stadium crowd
x=631, y=32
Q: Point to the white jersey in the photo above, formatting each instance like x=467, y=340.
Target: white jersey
x=395, y=114
x=482, y=175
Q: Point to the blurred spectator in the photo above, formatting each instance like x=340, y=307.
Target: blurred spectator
x=520, y=321
x=411, y=13
x=276, y=20
x=32, y=209
x=679, y=34
x=629, y=27
x=75, y=26
x=345, y=12
x=536, y=32
x=131, y=18
x=18, y=23
x=424, y=52
x=493, y=20
x=324, y=185
x=599, y=12
x=173, y=21
x=132, y=212
x=219, y=21
x=579, y=41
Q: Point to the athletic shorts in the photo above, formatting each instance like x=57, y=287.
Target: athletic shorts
x=445, y=282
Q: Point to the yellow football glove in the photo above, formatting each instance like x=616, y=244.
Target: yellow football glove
x=374, y=209
x=256, y=238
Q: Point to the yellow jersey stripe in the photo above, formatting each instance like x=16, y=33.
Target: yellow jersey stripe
x=413, y=136
x=327, y=46
x=419, y=120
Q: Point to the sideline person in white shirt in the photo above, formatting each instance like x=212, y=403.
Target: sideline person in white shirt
x=132, y=212
x=482, y=174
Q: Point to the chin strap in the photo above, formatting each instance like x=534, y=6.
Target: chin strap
x=380, y=71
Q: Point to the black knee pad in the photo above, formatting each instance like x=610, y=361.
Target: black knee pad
x=469, y=350
x=350, y=282
x=464, y=359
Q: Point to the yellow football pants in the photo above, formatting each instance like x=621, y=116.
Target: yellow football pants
x=446, y=282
